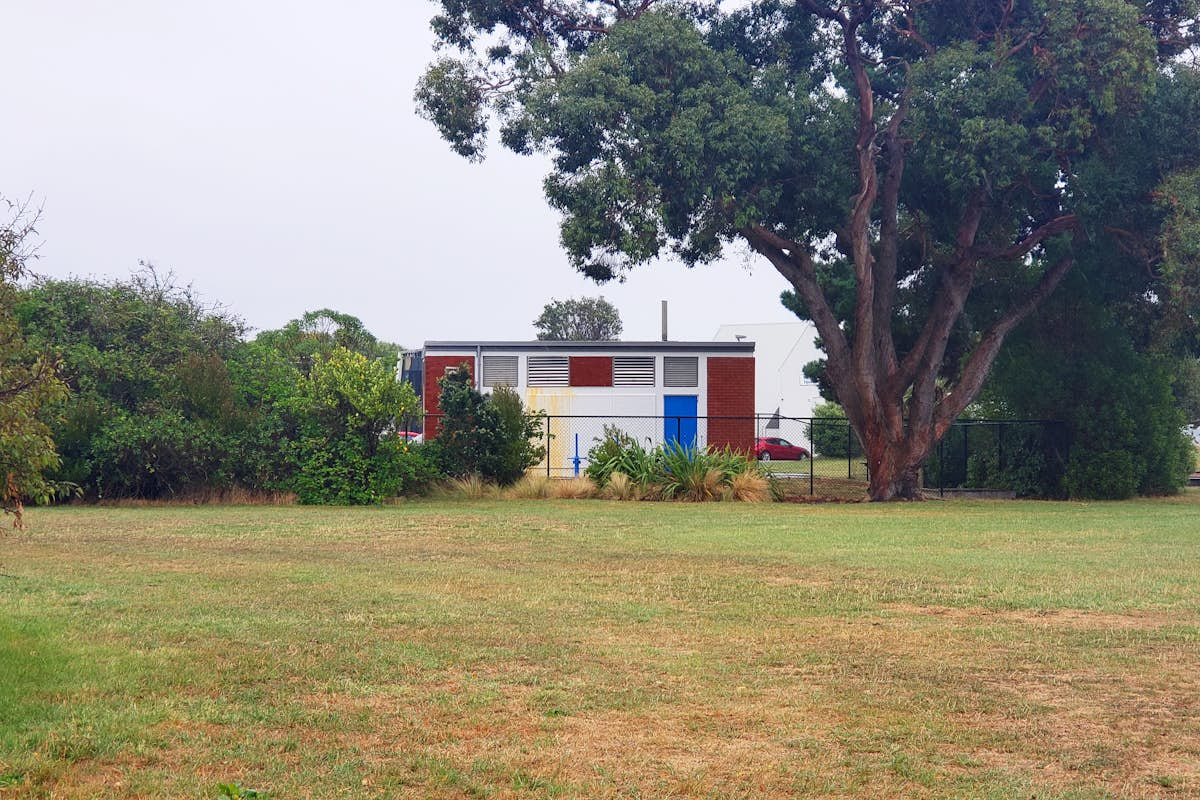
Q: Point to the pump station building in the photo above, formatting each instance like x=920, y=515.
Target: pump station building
x=695, y=393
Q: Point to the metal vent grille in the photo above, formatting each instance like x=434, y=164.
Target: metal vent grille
x=549, y=371
x=633, y=371
x=681, y=371
x=500, y=370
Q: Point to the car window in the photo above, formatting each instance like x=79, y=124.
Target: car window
x=784, y=443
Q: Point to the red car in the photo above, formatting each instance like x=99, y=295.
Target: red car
x=772, y=448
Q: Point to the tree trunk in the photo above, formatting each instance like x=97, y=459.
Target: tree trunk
x=895, y=472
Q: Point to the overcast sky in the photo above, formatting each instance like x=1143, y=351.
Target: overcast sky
x=268, y=153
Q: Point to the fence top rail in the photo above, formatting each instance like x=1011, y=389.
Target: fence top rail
x=768, y=418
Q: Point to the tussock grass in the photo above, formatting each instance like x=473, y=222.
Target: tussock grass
x=750, y=487
x=470, y=487
x=531, y=487
x=620, y=487
x=580, y=488
x=523, y=649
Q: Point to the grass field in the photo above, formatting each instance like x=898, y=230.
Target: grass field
x=594, y=649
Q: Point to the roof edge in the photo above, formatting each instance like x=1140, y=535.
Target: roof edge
x=546, y=346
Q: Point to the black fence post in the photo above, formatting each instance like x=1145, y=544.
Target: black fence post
x=966, y=429
x=1000, y=447
x=849, y=455
x=942, y=466
x=548, y=445
x=812, y=458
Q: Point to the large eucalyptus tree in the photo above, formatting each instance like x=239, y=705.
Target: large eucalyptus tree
x=922, y=172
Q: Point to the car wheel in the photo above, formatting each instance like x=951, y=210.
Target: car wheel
x=764, y=456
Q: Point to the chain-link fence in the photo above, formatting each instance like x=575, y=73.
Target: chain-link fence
x=822, y=457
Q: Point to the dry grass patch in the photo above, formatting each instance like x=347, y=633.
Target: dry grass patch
x=536, y=650
x=573, y=489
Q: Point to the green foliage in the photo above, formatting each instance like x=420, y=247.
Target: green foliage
x=491, y=437
x=347, y=452
x=617, y=451
x=1123, y=422
x=674, y=471
x=831, y=434
x=153, y=409
x=517, y=442
x=316, y=334
x=589, y=319
x=156, y=455
x=28, y=384
x=167, y=399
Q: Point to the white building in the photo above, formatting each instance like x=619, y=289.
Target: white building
x=696, y=393
x=781, y=350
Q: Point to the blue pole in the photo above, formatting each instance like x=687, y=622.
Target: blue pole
x=576, y=459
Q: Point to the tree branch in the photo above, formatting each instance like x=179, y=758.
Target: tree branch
x=794, y=263
x=1037, y=236
x=979, y=364
x=886, y=265
x=947, y=303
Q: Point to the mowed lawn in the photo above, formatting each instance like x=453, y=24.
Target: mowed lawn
x=596, y=649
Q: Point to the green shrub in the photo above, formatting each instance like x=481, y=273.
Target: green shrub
x=617, y=451
x=348, y=453
x=831, y=434
x=491, y=437
x=156, y=455
x=673, y=471
x=344, y=473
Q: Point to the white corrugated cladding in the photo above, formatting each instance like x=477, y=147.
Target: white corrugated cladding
x=633, y=370
x=681, y=371
x=500, y=370
x=549, y=370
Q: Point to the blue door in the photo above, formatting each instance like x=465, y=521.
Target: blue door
x=679, y=419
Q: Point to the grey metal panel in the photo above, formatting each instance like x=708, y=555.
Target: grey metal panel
x=682, y=371
x=500, y=370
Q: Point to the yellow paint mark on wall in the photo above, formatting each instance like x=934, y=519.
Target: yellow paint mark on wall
x=553, y=402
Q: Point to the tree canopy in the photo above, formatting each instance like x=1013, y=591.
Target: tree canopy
x=587, y=319
x=923, y=174
x=28, y=380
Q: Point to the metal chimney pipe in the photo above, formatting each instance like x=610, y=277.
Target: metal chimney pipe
x=664, y=320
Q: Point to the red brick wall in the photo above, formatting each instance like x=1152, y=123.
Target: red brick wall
x=591, y=370
x=435, y=369
x=731, y=394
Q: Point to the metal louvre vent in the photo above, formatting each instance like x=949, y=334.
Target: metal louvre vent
x=681, y=371
x=549, y=371
x=500, y=370
x=633, y=371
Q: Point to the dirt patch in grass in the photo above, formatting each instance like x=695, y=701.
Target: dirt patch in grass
x=1050, y=617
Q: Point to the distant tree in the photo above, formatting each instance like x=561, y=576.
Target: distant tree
x=318, y=333
x=28, y=382
x=588, y=319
